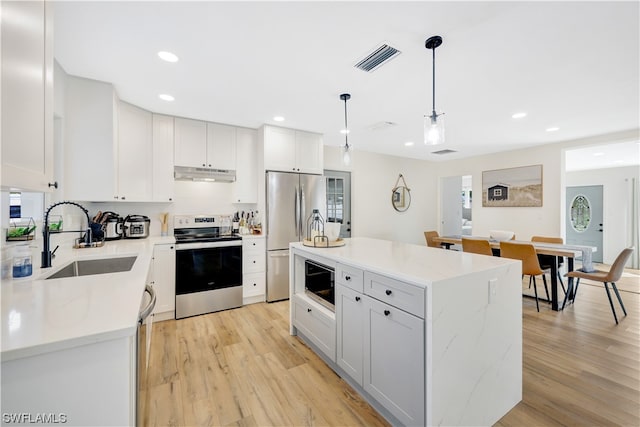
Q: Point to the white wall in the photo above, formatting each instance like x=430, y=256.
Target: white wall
x=373, y=176
x=525, y=222
x=189, y=198
x=617, y=212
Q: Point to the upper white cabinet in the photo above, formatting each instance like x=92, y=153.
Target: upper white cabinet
x=135, y=153
x=27, y=94
x=114, y=150
x=204, y=145
x=90, y=148
x=221, y=146
x=163, y=184
x=190, y=142
x=309, y=153
x=245, y=188
x=290, y=150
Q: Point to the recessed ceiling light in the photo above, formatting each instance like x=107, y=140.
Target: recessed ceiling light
x=278, y=119
x=598, y=154
x=408, y=143
x=519, y=115
x=168, y=56
x=166, y=97
x=344, y=131
x=552, y=129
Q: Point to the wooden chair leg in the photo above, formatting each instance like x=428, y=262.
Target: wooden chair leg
x=606, y=286
x=615, y=288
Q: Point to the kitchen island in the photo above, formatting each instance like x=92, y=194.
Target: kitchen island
x=69, y=345
x=427, y=336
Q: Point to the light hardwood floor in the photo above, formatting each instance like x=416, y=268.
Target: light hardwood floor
x=241, y=368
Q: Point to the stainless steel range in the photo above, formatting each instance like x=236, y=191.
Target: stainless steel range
x=208, y=265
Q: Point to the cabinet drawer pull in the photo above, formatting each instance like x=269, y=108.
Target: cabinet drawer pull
x=387, y=312
x=388, y=292
x=254, y=284
x=347, y=277
x=308, y=310
x=357, y=298
x=254, y=262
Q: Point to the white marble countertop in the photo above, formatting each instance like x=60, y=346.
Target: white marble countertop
x=420, y=265
x=40, y=316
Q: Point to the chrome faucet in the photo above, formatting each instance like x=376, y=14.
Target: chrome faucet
x=46, y=234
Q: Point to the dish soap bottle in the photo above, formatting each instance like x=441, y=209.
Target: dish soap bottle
x=22, y=261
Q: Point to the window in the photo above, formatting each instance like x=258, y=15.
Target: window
x=335, y=200
x=497, y=192
x=15, y=207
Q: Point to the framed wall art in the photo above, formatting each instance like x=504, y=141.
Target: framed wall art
x=512, y=187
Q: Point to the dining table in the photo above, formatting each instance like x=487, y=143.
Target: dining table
x=556, y=250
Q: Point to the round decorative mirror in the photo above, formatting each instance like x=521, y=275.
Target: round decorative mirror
x=401, y=198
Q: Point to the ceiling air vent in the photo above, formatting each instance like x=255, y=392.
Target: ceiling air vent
x=382, y=125
x=378, y=57
x=447, y=151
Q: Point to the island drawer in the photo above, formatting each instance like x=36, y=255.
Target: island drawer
x=350, y=277
x=316, y=325
x=404, y=296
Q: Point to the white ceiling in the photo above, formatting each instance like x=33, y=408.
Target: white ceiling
x=603, y=156
x=574, y=65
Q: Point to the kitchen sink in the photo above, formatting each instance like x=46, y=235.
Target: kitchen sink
x=89, y=267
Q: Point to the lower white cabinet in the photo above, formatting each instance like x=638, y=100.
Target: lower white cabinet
x=164, y=281
x=350, y=319
x=81, y=386
x=253, y=286
x=394, y=372
x=316, y=325
x=254, y=269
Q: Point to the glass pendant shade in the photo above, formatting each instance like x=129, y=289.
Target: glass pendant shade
x=345, y=152
x=433, y=129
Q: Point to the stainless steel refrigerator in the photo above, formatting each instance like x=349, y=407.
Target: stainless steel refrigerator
x=291, y=198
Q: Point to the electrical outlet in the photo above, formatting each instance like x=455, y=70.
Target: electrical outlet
x=493, y=288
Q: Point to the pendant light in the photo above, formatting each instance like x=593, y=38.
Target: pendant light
x=433, y=124
x=346, y=148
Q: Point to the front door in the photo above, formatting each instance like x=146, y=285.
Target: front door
x=585, y=218
x=451, y=205
x=339, y=200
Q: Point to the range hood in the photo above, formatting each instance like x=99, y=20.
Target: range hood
x=185, y=173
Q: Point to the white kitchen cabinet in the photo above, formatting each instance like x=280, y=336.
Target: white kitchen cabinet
x=88, y=384
x=135, y=153
x=290, y=150
x=27, y=94
x=221, y=146
x=90, y=146
x=350, y=319
x=253, y=269
x=309, y=153
x=245, y=188
x=394, y=360
x=164, y=281
x=253, y=287
x=316, y=323
x=204, y=145
x=163, y=183
x=190, y=143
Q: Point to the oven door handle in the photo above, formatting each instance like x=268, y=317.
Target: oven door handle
x=206, y=245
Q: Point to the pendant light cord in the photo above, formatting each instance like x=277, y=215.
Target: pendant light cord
x=433, y=82
x=346, y=128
